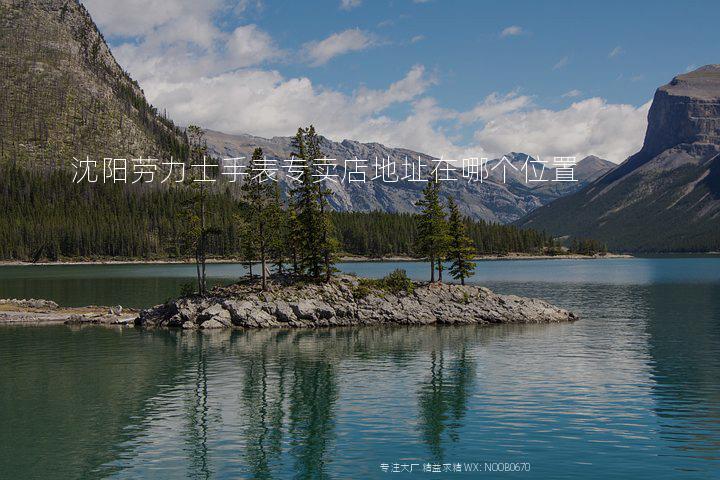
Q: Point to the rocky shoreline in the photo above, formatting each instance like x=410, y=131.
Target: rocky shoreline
x=347, y=301
x=342, y=258
x=46, y=312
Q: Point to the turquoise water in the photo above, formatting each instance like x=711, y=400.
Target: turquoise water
x=630, y=391
x=141, y=286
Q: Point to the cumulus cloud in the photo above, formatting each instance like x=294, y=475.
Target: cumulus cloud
x=266, y=103
x=592, y=126
x=225, y=80
x=248, y=45
x=495, y=105
x=417, y=38
x=511, y=31
x=352, y=40
x=138, y=17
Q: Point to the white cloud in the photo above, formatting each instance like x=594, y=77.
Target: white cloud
x=266, y=103
x=159, y=55
x=417, y=38
x=414, y=84
x=248, y=45
x=615, y=52
x=220, y=79
x=592, y=126
x=352, y=40
x=561, y=63
x=511, y=31
x=572, y=94
x=349, y=4
x=495, y=105
x=138, y=17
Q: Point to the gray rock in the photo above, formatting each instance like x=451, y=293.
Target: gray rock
x=212, y=323
x=216, y=312
x=284, y=313
x=304, y=309
x=239, y=310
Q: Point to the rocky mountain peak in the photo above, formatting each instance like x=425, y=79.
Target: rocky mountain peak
x=666, y=197
x=703, y=83
x=685, y=111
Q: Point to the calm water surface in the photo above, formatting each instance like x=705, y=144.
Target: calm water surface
x=630, y=391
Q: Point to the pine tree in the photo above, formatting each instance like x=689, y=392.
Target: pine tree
x=432, y=228
x=199, y=230
x=308, y=214
x=461, y=250
x=317, y=246
x=326, y=243
x=280, y=243
x=263, y=210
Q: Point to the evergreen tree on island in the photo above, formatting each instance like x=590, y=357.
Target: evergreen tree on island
x=281, y=243
x=262, y=210
x=433, y=238
x=461, y=249
x=310, y=201
x=326, y=242
x=199, y=229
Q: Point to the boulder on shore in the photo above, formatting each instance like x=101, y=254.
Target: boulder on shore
x=347, y=301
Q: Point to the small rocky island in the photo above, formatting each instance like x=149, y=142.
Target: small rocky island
x=346, y=301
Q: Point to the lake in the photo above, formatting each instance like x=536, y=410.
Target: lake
x=630, y=391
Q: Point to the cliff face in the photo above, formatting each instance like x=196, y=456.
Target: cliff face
x=63, y=94
x=492, y=200
x=685, y=111
x=666, y=197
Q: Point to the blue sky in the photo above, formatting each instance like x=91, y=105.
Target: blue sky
x=453, y=78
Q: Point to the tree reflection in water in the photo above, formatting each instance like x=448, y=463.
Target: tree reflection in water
x=196, y=433
x=287, y=400
x=442, y=401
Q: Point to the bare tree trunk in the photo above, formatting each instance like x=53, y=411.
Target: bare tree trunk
x=197, y=266
x=263, y=260
x=440, y=269
x=202, y=240
x=263, y=266
x=432, y=269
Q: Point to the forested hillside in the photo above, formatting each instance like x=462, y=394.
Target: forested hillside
x=63, y=95
x=47, y=216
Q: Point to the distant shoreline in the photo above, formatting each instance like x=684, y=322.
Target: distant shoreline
x=342, y=259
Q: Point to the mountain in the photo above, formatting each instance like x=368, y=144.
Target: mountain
x=666, y=197
x=491, y=200
x=63, y=95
